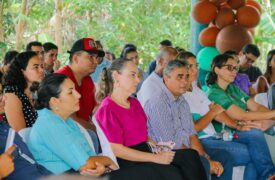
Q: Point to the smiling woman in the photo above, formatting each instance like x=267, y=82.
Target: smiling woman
x=24, y=72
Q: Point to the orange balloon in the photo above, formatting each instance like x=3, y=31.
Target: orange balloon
x=232, y=37
x=204, y=12
x=236, y=4
x=208, y=36
x=255, y=4
x=248, y=16
x=225, y=17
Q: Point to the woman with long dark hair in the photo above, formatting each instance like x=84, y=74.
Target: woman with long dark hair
x=20, y=82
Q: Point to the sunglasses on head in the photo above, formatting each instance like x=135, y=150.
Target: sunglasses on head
x=231, y=67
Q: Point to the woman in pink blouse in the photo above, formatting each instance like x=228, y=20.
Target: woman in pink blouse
x=124, y=122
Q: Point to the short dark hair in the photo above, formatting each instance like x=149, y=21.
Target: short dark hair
x=129, y=45
x=127, y=51
x=48, y=88
x=251, y=48
x=166, y=42
x=33, y=43
x=9, y=56
x=49, y=46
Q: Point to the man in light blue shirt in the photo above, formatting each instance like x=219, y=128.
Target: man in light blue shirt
x=151, y=85
x=170, y=118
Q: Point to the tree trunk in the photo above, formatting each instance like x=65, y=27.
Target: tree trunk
x=21, y=25
x=58, y=24
x=1, y=21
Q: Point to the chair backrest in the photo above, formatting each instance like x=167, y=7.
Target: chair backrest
x=25, y=134
x=87, y=136
x=105, y=144
x=261, y=98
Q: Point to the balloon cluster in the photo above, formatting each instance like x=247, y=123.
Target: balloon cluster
x=230, y=24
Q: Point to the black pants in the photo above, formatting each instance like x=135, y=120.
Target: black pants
x=186, y=165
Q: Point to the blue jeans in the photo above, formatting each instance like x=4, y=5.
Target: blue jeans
x=224, y=158
x=249, y=149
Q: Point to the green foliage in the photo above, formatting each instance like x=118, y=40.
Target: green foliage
x=115, y=22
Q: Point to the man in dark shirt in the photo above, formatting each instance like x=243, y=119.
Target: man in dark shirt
x=248, y=56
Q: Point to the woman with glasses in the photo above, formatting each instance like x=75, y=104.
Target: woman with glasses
x=240, y=107
x=20, y=83
x=206, y=115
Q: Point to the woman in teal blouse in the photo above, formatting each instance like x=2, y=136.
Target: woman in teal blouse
x=55, y=139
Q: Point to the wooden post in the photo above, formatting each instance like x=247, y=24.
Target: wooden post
x=58, y=25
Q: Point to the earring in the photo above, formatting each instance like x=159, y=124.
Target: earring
x=56, y=108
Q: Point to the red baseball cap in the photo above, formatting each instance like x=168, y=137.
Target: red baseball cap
x=88, y=45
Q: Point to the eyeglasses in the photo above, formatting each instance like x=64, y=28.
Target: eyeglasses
x=231, y=68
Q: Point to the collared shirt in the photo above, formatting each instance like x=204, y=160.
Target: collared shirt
x=58, y=145
x=149, y=87
x=226, y=98
x=169, y=118
x=104, y=64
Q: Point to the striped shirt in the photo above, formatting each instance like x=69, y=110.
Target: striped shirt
x=169, y=118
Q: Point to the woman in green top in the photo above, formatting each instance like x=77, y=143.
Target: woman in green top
x=242, y=108
x=237, y=104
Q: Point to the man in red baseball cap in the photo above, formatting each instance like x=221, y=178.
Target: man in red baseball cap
x=83, y=62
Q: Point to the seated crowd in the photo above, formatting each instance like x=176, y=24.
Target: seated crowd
x=158, y=124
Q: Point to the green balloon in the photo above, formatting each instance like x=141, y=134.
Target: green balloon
x=205, y=57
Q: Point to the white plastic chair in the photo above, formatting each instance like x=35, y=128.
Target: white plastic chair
x=87, y=136
x=25, y=134
x=261, y=98
x=105, y=144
